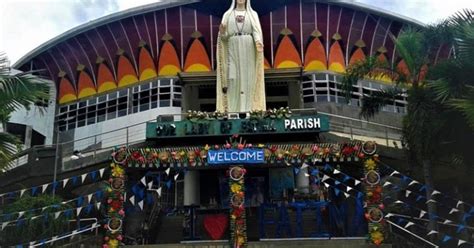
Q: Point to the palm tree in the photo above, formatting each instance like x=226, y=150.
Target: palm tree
x=17, y=90
x=433, y=91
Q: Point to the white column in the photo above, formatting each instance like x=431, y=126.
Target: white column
x=192, y=188
x=302, y=181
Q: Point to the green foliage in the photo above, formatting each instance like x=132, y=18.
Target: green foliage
x=38, y=228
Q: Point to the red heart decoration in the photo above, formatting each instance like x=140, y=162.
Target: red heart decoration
x=216, y=225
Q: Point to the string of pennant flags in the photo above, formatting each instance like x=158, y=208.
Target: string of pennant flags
x=56, y=238
x=422, y=212
x=69, y=213
x=456, y=203
x=53, y=185
x=347, y=194
x=98, y=195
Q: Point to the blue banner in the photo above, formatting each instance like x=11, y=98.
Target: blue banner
x=235, y=156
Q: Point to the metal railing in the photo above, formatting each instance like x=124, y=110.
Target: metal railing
x=407, y=239
x=96, y=148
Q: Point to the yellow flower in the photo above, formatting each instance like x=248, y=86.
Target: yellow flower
x=260, y=145
x=235, y=188
x=113, y=243
x=377, y=237
x=240, y=240
x=117, y=171
x=207, y=147
x=370, y=164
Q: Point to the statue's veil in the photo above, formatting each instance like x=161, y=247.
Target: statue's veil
x=232, y=6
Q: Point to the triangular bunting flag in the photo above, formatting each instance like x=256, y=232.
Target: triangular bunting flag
x=304, y=166
x=430, y=201
x=446, y=238
x=176, y=176
x=387, y=183
x=422, y=213
x=324, y=178
x=459, y=203
x=447, y=222
x=101, y=172
x=356, y=182
x=143, y=180
x=336, y=171
x=337, y=182
x=33, y=191
x=398, y=202
x=32, y=243
x=158, y=191
x=460, y=228
x=44, y=208
x=89, y=198
x=56, y=215
x=336, y=191
x=132, y=200
x=435, y=192
x=349, y=188
x=167, y=171
x=460, y=242
x=4, y=224
x=418, y=198
x=22, y=192
x=140, y=204
x=346, y=195
x=150, y=184
x=346, y=178
x=20, y=214
x=65, y=182
x=326, y=185
x=423, y=188
x=388, y=215
x=44, y=187
x=407, y=193
x=453, y=210
x=327, y=167
x=315, y=172
x=54, y=238
x=409, y=224
x=431, y=233
x=394, y=173
x=297, y=171
x=83, y=177
x=78, y=211
x=306, y=174
x=413, y=182
x=97, y=205
x=168, y=184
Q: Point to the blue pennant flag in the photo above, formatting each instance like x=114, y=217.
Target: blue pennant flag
x=7, y=217
x=296, y=170
x=55, y=185
x=93, y=175
x=315, y=172
x=68, y=213
x=400, y=221
x=419, y=198
x=168, y=184
x=336, y=191
x=19, y=246
x=346, y=178
x=20, y=222
x=45, y=218
x=11, y=194
x=89, y=208
x=460, y=228
x=43, y=241
x=396, y=188
x=337, y=182
x=99, y=194
x=465, y=217
x=423, y=188
x=405, y=179
x=327, y=167
x=33, y=191
x=433, y=216
x=316, y=180
x=472, y=210
x=446, y=238
x=149, y=198
x=80, y=200
x=185, y=171
x=74, y=180
x=360, y=195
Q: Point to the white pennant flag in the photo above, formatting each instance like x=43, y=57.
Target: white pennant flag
x=65, y=182
x=336, y=171
x=431, y=233
x=346, y=194
x=453, y=210
x=447, y=222
x=413, y=182
x=98, y=205
x=22, y=192
x=407, y=193
x=143, y=180
x=150, y=184
x=4, y=224
x=158, y=191
x=54, y=238
x=357, y=182
x=20, y=214
x=459, y=203
x=35, y=217
x=89, y=198
x=388, y=215
x=44, y=187
x=74, y=232
x=430, y=201
x=409, y=224
x=324, y=178
x=140, y=204
x=326, y=185
x=394, y=173
x=435, y=192
x=32, y=243
x=349, y=188
x=83, y=177
x=387, y=183
x=176, y=176
x=132, y=200
x=422, y=213
x=44, y=208
x=101, y=172
x=56, y=215
x=306, y=174
x=304, y=166
x=167, y=171
x=460, y=242
x=398, y=202
x=78, y=211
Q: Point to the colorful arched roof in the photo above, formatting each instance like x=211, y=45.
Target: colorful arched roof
x=164, y=39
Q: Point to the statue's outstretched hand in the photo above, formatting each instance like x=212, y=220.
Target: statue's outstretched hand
x=259, y=46
x=222, y=28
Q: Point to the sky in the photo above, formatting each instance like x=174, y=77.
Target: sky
x=26, y=24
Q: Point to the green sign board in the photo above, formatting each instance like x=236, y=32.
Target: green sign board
x=214, y=127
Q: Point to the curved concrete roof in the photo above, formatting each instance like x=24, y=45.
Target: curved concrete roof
x=174, y=3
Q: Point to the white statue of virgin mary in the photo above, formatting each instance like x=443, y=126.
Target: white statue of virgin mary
x=240, y=64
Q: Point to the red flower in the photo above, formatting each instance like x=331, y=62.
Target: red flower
x=116, y=204
x=136, y=155
x=273, y=149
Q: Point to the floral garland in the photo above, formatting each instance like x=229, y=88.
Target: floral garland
x=238, y=225
x=254, y=114
x=115, y=192
x=373, y=198
x=193, y=156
